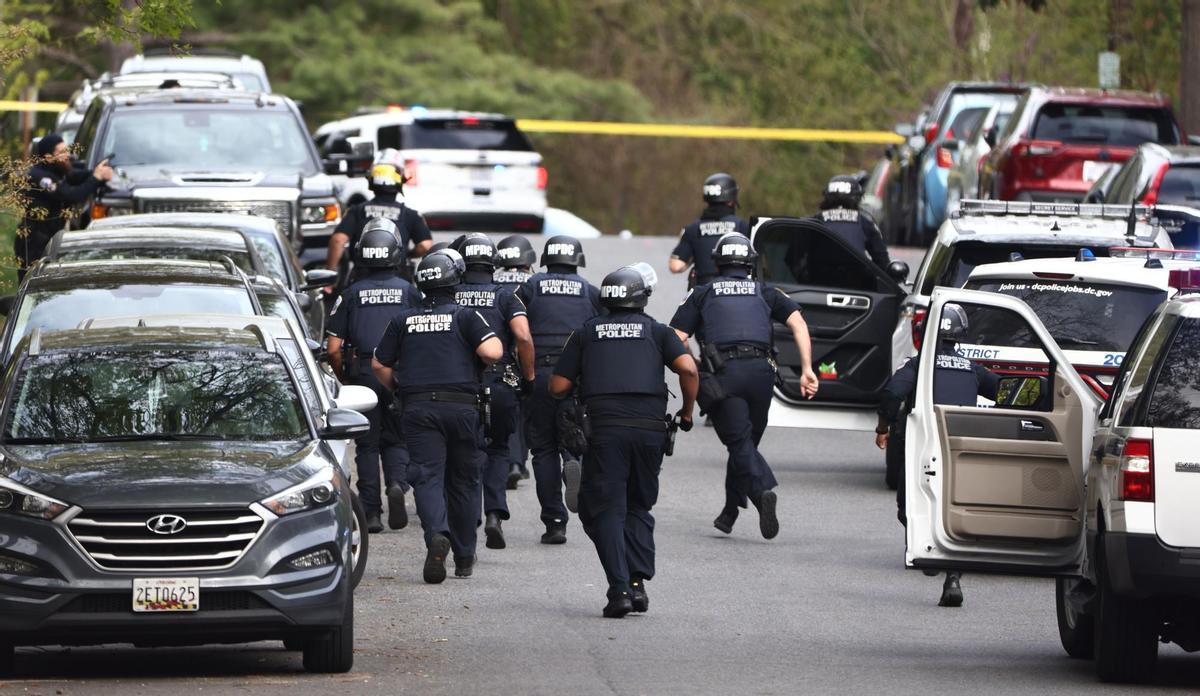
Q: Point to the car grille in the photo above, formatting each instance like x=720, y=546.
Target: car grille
x=123, y=540
x=280, y=211
x=115, y=603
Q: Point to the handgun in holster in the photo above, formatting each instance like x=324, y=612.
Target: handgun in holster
x=710, y=358
x=485, y=412
x=672, y=429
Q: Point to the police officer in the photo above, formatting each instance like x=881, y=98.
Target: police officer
x=840, y=212
x=434, y=354
x=386, y=181
x=360, y=315
x=53, y=192
x=957, y=382
x=617, y=360
x=515, y=258
x=718, y=219
x=506, y=314
x=731, y=317
x=558, y=300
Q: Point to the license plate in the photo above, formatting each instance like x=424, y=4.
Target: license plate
x=481, y=176
x=1095, y=170
x=166, y=594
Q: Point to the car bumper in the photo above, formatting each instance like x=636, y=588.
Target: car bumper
x=317, y=234
x=461, y=210
x=1142, y=566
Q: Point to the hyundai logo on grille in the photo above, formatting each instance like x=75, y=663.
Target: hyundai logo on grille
x=166, y=524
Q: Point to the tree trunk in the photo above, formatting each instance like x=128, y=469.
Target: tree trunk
x=1189, y=68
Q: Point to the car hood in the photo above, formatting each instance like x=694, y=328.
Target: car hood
x=143, y=474
x=158, y=176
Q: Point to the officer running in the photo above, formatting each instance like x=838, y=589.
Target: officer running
x=386, y=180
x=53, y=191
x=697, y=240
x=558, y=300
x=840, y=212
x=358, y=320
x=434, y=353
x=506, y=314
x=731, y=318
x=515, y=258
x=957, y=382
x=617, y=360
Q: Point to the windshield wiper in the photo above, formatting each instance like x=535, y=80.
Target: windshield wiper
x=42, y=441
x=1060, y=340
x=151, y=437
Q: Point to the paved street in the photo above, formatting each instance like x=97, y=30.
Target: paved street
x=827, y=607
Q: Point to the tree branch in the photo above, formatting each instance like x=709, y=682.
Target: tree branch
x=65, y=56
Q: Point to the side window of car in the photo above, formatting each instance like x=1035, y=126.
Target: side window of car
x=1136, y=348
x=803, y=257
x=1134, y=389
x=1175, y=392
x=991, y=356
x=87, y=129
x=932, y=268
x=388, y=136
x=1122, y=190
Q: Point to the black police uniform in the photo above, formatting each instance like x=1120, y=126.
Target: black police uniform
x=558, y=302
x=858, y=230
x=53, y=193
x=697, y=240
x=432, y=350
x=733, y=314
x=409, y=223
x=499, y=306
x=360, y=316
x=512, y=279
x=617, y=362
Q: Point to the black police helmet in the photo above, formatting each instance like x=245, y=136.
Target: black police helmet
x=563, y=250
x=842, y=191
x=378, y=246
x=439, y=246
x=628, y=287
x=477, y=250
x=720, y=188
x=733, y=249
x=954, y=323
x=443, y=268
x=515, y=251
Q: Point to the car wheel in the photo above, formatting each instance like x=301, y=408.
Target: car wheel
x=1126, y=642
x=894, y=462
x=1076, y=630
x=333, y=651
x=359, y=542
x=294, y=644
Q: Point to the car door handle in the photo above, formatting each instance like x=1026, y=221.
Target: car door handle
x=848, y=301
x=1029, y=426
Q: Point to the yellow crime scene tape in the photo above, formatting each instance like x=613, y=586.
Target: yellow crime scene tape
x=648, y=130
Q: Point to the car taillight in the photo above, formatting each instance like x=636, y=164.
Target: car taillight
x=918, y=324
x=1036, y=148
x=1137, y=471
x=410, y=172
x=945, y=160
x=543, y=177
x=931, y=132
x=1151, y=196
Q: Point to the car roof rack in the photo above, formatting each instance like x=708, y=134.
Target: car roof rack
x=972, y=207
x=1154, y=253
x=207, y=52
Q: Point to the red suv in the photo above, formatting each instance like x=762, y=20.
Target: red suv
x=1060, y=140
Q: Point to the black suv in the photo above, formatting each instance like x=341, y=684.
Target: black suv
x=168, y=486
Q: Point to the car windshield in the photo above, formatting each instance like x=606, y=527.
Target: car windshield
x=271, y=257
x=967, y=255
x=241, y=258
x=1083, y=124
x=465, y=134
x=1180, y=186
x=64, y=309
x=209, y=138
x=274, y=305
x=98, y=397
x=1079, y=315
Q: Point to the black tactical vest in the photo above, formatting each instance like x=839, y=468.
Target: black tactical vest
x=954, y=383
x=373, y=303
x=733, y=311
x=432, y=350
x=486, y=299
x=558, y=304
x=846, y=224
x=620, y=356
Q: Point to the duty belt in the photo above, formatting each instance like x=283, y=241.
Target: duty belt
x=448, y=397
x=743, y=352
x=641, y=423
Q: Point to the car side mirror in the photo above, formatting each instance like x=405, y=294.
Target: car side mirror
x=1026, y=393
x=304, y=300
x=355, y=397
x=6, y=304
x=905, y=130
x=318, y=278
x=990, y=137
x=1193, y=140
x=898, y=271
x=335, y=164
x=344, y=424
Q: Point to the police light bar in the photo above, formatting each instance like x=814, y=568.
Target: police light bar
x=1154, y=253
x=992, y=207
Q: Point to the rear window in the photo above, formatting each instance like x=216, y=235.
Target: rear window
x=240, y=258
x=1180, y=186
x=465, y=134
x=1083, y=124
x=788, y=256
x=967, y=255
x=1175, y=401
x=964, y=124
x=1079, y=315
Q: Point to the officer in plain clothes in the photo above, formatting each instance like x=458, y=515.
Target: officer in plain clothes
x=515, y=258
x=386, y=180
x=731, y=317
x=840, y=212
x=53, y=191
x=434, y=354
x=558, y=300
x=957, y=382
x=697, y=240
x=506, y=314
x=617, y=361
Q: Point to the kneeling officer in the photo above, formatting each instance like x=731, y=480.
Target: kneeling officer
x=618, y=360
x=435, y=354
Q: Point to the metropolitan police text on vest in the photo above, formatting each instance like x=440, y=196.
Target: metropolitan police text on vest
x=428, y=323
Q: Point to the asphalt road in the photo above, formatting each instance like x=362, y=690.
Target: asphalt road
x=826, y=607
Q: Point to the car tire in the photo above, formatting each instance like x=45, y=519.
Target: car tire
x=359, y=542
x=1076, y=631
x=1126, y=643
x=295, y=644
x=8, y=660
x=333, y=651
x=894, y=462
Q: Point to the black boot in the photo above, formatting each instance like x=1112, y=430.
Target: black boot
x=556, y=533
x=514, y=477
x=768, y=522
x=725, y=520
x=374, y=523
x=637, y=595
x=952, y=595
x=493, y=531
x=397, y=513
x=463, y=567
x=435, y=559
x=618, y=605
x=572, y=474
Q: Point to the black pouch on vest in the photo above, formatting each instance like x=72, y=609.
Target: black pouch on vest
x=572, y=429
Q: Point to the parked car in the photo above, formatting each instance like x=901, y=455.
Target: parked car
x=963, y=180
x=1059, y=141
x=873, y=189
x=464, y=170
x=168, y=486
x=915, y=193
x=249, y=71
x=1158, y=174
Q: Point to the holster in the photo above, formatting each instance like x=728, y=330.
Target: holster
x=711, y=358
x=672, y=429
x=710, y=393
x=573, y=429
x=485, y=412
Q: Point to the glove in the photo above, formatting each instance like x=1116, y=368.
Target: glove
x=685, y=421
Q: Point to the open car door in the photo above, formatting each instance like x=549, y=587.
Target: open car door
x=999, y=489
x=850, y=304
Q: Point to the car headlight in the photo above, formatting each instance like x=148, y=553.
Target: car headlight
x=19, y=500
x=323, y=212
x=313, y=493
